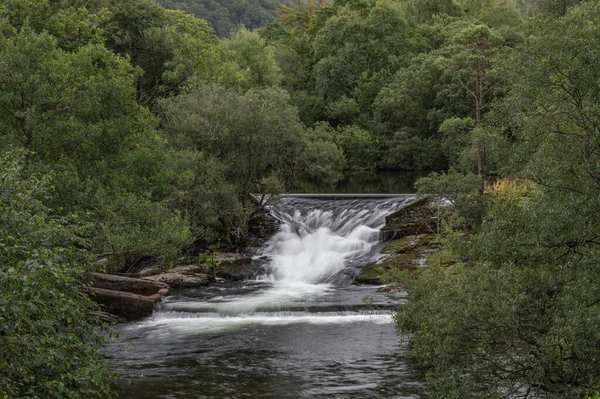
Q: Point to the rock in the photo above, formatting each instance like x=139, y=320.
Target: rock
x=406, y=253
x=420, y=217
x=128, y=284
x=126, y=305
x=106, y=317
x=192, y=268
x=391, y=288
x=178, y=280
x=261, y=227
x=236, y=267
x=368, y=280
x=125, y=298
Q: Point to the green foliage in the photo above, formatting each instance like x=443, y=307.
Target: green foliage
x=131, y=226
x=425, y=10
x=227, y=16
x=361, y=149
x=77, y=111
x=462, y=191
x=519, y=314
x=69, y=22
x=194, y=49
x=253, y=59
x=409, y=152
x=245, y=143
x=208, y=199
x=322, y=159
x=255, y=133
x=356, y=42
x=555, y=8
x=409, y=85
x=456, y=136
x=49, y=345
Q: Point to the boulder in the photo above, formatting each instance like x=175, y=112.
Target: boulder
x=177, y=280
x=236, y=267
x=126, y=305
x=391, y=288
x=190, y=269
x=420, y=217
x=128, y=284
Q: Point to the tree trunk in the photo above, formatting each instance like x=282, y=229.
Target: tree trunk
x=478, y=106
x=481, y=160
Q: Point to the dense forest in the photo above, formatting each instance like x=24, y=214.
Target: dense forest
x=227, y=17
x=130, y=131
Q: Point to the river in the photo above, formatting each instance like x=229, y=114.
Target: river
x=301, y=330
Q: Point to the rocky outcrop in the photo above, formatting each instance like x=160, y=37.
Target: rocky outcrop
x=420, y=217
x=124, y=298
x=237, y=267
x=411, y=230
x=229, y=266
x=406, y=253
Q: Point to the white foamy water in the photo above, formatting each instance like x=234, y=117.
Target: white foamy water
x=318, y=238
x=189, y=323
x=300, y=331
x=276, y=296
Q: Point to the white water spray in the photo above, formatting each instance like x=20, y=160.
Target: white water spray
x=318, y=238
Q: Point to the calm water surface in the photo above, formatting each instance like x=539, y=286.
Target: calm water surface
x=383, y=182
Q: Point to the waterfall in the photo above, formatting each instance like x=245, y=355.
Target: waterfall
x=319, y=239
x=320, y=236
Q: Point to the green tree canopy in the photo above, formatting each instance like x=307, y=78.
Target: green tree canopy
x=49, y=344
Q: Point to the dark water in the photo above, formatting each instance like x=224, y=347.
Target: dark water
x=287, y=334
x=297, y=354
x=383, y=182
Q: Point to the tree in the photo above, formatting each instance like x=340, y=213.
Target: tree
x=423, y=11
x=471, y=67
x=252, y=58
x=516, y=313
x=77, y=111
x=357, y=42
x=49, y=344
x=72, y=23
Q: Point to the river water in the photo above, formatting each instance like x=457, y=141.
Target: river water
x=301, y=330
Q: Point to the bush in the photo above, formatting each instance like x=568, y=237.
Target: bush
x=48, y=344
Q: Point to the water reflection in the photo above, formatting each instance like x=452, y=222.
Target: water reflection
x=382, y=182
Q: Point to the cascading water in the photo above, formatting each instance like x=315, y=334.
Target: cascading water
x=286, y=321
x=320, y=237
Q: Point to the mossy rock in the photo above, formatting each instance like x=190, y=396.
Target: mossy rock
x=406, y=253
x=420, y=217
x=407, y=244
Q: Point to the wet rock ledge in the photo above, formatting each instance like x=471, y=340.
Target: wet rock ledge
x=412, y=239
x=124, y=298
x=132, y=297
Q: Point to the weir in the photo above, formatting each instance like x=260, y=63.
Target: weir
x=307, y=289
x=322, y=242
x=321, y=235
